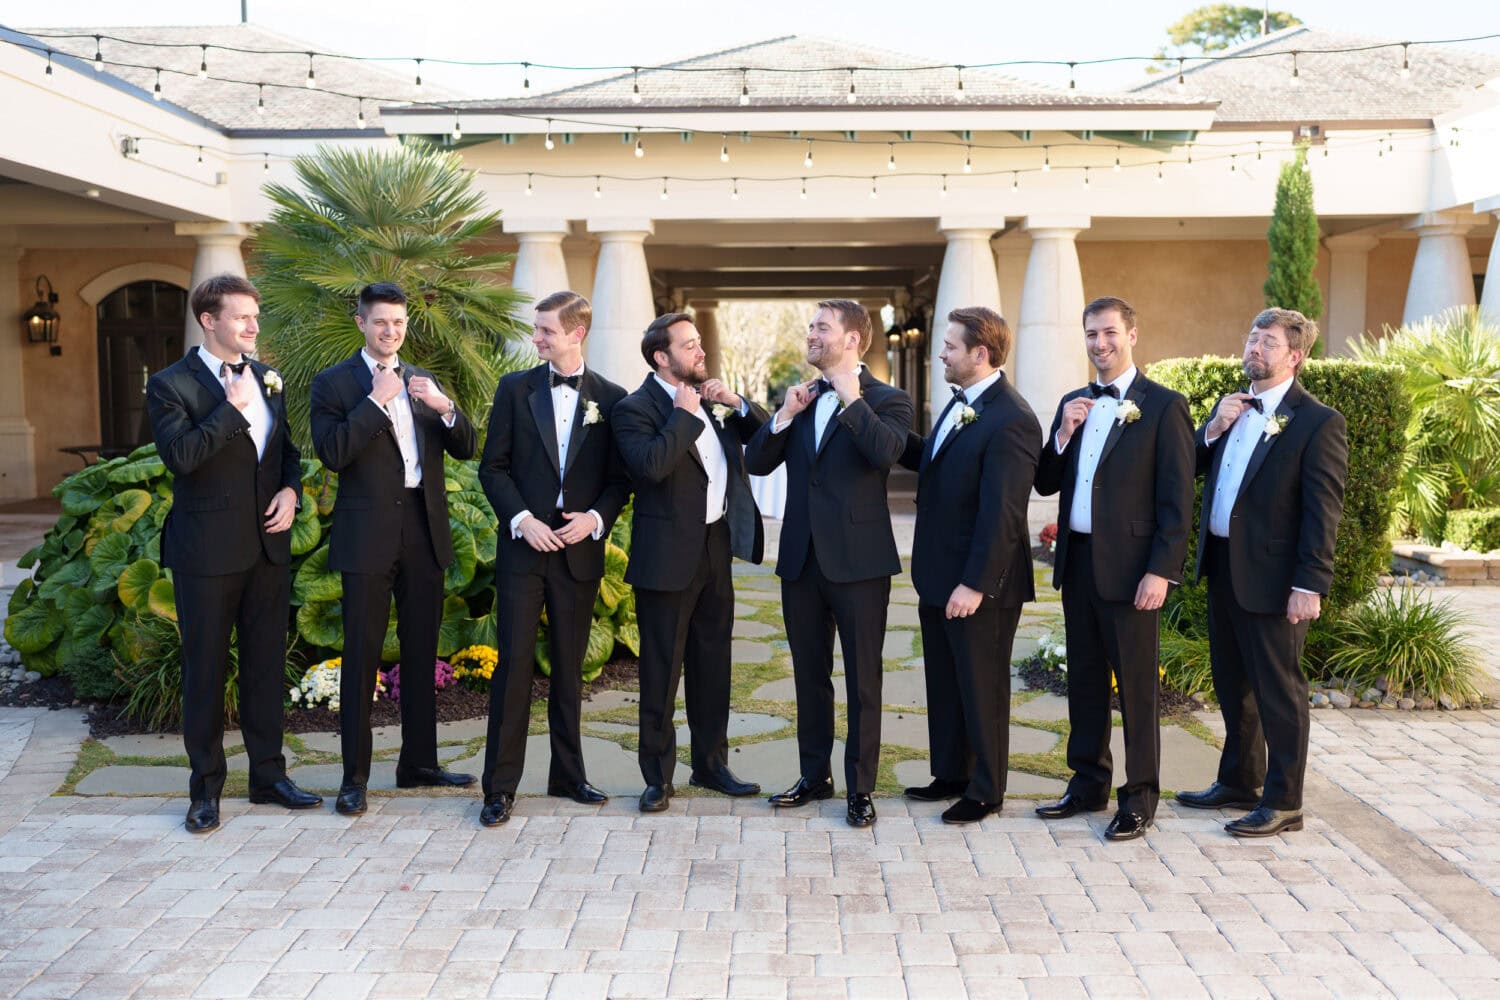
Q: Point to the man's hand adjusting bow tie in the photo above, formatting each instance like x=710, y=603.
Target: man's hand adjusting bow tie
x=1096, y=390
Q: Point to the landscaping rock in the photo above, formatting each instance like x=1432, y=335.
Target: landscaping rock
x=1364, y=704
x=1372, y=694
x=1382, y=683
x=1406, y=704
x=1319, y=700
x=1426, y=704
x=1385, y=580
x=31, y=677
x=1339, y=699
x=1447, y=702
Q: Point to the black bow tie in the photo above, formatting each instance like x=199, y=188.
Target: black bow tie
x=959, y=395
x=1096, y=390
x=238, y=367
x=394, y=368
x=824, y=386
x=555, y=379
x=1255, y=404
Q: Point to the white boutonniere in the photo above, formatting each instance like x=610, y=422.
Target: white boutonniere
x=591, y=413
x=967, y=415
x=272, y=382
x=1275, y=424
x=1127, y=412
x=722, y=413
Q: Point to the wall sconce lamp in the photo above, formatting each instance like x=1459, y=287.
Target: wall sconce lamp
x=41, y=320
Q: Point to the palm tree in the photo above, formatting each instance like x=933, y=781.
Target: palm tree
x=409, y=215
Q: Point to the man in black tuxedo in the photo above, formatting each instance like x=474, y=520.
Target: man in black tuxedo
x=383, y=427
x=971, y=562
x=681, y=435
x=1121, y=453
x=219, y=422
x=839, y=435
x=1275, y=460
x=552, y=474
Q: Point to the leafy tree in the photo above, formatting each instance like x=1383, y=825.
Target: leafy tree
x=763, y=346
x=1216, y=27
x=1293, y=237
x=409, y=215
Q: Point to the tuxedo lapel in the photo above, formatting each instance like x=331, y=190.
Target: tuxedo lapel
x=587, y=390
x=1289, y=403
x=664, y=407
x=932, y=446
x=209, y=380
x=541, y=411
x=1134, y=394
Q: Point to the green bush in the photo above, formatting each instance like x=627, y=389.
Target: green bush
x=94, y=673
x=1476, y=530
x=1377, y=408
x=1415, y=643
x=98, y=584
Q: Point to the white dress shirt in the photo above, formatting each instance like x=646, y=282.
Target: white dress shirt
x=258, y=413
x=402, y=424
x=1092, y=434
x=1243, y=437
x=824, y=407
x=950, y=421
x=711, y=451
x=564, y=409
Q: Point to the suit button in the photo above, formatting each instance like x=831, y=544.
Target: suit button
x=398, y=503
x=817, y=482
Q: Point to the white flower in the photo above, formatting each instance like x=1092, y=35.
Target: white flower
x=272, y=381
x=967, y=415
x=722, y=413
x=1275, y=423
x=1126, y=412
x=591, y=413
x=296, y=694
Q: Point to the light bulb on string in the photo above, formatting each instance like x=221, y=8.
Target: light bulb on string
x=1296, y=80
x=640, y=147
x=943, y=190
x=200, y=154
x=547, y=142
x=744, y=88
x=419, y=73
x=458, y=129
x=1159, y=177
x=1258, y=149
x=958, y=91
x=874, y=188
x=804, y=189
x=1015, y=182
x=635, y=85
x=853, y=97
x=311, y=81
x=598, y=186
x=663, y=189
x=890, y=164
x=526, y=76
x=528, y=185
x=49, y=62
x=1406, y=60
x=1046, y=160
x=968, y=159
x=1085, y=178
x=156, y=91
x=1181, y=82
x=360, y=120
x=265, y=163
x=1072, y=80
x=98, y=53
x=1117, y=159
x=1190, y=159
x=807, y=161
x=203, y=63
x=734, y=189
x=1233, y=167
x=260, y=98
x=724, y=148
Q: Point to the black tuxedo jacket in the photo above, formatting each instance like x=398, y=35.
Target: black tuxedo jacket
x=1282, y=527
x=354, y=437
x=520, y=469
x=972, y=495
x=1142, y=491
x=838, y=491
x=220, y=491
x=657, y=443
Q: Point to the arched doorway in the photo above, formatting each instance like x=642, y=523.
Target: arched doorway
x=140, y=332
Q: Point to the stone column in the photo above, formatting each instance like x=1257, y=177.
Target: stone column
x=218, y=252
x=17, y=436
x=1489, y=303
x=1348, y=276
x=968, y=278
x=706, y=319
x=539, y=269
x=1011, y=254
x=1049, y=339
x=1441, y=276
x=623, y=305
x=877, y=358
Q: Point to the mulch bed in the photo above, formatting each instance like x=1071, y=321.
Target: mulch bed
x=49, y=692
x=1038, y=677
x=1042, y=555
x=454, y=704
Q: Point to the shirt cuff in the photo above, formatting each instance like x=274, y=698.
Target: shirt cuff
x=1302, y=590
x=449, y=419
x=1057, y=444
x=598, y=524
x=1209, y=441
x=744, y=406
x=516, y=522
x=777, y=426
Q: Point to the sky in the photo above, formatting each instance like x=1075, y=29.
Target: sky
x=643, y=32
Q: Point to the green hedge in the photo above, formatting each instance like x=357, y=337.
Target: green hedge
x=1377, y=407
x=98, y=582
x=1477, y=530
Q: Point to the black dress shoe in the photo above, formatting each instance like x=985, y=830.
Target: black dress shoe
x=583, y=793
x=655, y=798
x=1217, y=796
x=1265, y=822
x=938, y=791
x=287, y=795
x=431, y=777
x=1069, y=805
x=803, y=792
x=724, y=782
x=967, y=810
x=1126, y=825
x=497, y=810
x=861, y=810
x=202, y=816
x=351, y=800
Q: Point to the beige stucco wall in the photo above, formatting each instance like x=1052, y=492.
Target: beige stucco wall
x=62, y=393
x=1385, y=291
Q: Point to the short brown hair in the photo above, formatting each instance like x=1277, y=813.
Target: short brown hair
x=1107, y=302
x=659, y=337
x=984, y=328
x=854, y=317
x=573, y=310
x=1301, y=332
x=208, y=296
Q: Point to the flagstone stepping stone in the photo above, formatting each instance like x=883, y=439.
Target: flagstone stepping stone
x=1187, y=762
x=1024, y=739
x=382, y=738
x=911, y=773
x=135, y=779
x=611, y=769
x=604, y=701
x=1023, y=647
x=902, y=615
x=156, y=744
x=326, y=778
x=1045, y=706
x=463, y=729
x=774, y=764
x=743, y=610
x=903, y=595
x=904, y=687
x=754, y=630
x=748, y=651
x=906, y=729
x=898, y=644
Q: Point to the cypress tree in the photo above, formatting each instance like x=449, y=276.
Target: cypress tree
x=1293, y=238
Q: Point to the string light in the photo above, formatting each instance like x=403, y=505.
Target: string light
x=547, y=142
x=1015, y=181
x=958, y=92
x=724, y=149
x=360, y=121
x=891, y=163
x=311, y=80
x=1159, y=177
x=526, y=76
x=1117, y=159
x=807, y=160
x=49, y=62
x=1085, y=178
x=98, y=54
x=419, y=73
x=744, y=88
x=853, y=97
x=640, y=148
x=1046, y=160
x=1232, y=163
x=260, y=99
x=203, y=65
x=200, y=154
x=1296, y=73
x=943, y=191
x=1072, y=82
x=156, y=91
x=804, y=189
x=1405, y=60
x=1181, y=83
x=734, y=189
x=635, y=85
x=663, y=189
x=968, y=159
x=1190, y=158
x=1257, y=148
x=265, y=163
x=598, y=186
x=528, y=185
x=458, y=129
x=874, y=189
